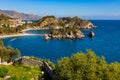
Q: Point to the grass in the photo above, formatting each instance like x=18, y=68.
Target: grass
x=21, y=72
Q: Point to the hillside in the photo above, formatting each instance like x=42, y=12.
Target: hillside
x=18, y=15
x=65, y=27
x=55, y=23
x=7, y=21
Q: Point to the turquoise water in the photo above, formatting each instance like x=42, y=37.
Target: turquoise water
x=106, y=42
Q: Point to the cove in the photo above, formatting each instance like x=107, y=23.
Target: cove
x=105, y=43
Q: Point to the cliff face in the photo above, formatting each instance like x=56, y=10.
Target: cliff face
x=18, y=15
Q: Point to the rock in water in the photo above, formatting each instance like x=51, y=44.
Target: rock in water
x=47, y=37
x=91, y=34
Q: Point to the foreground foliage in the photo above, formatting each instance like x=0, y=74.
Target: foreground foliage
x=20, y=72
x=7, y=53
x=86, y=67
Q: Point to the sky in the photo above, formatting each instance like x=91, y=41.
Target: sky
x=88, y=9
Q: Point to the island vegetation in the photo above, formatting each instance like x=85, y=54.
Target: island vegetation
x=55, y=23
x=65, y=27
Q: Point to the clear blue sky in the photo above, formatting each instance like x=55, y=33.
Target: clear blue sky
x=92, y=9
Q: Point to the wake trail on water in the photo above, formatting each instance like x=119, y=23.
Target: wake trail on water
x=13, y=39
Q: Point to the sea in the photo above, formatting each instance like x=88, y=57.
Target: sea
x=105, y=43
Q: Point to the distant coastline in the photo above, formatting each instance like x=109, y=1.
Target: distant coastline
x=66, y=27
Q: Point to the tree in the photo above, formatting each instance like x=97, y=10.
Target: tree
x=17, y=52
x=63, y=69
x=7, y=53
x=86, y=66
x=3, y=72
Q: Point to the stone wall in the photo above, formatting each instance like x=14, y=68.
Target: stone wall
x=32, y=62
x=43, y=65
x=48, y=69
x=28, y=61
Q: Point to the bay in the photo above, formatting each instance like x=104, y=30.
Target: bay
x=105, y=43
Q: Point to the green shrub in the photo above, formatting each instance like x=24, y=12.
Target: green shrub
x=3, y=72
x=13, y=78
x=86, y=66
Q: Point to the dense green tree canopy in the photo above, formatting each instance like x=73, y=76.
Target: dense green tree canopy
x=86, y=66
x=6, y=53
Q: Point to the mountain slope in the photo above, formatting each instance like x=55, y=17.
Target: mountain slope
x=18, y=15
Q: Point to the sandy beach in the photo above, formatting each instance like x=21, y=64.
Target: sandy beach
x=21, y=34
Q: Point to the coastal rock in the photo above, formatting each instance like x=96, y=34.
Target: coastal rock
x=47, y=37
x=89, y=25
x=91, y=34
x=80, y=35
x=71, y=35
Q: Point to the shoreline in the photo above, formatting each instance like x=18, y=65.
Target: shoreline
x=18, y=35
x=21, y=34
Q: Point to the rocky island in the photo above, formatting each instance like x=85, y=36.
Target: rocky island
x=70, y=33
x=65, y=27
